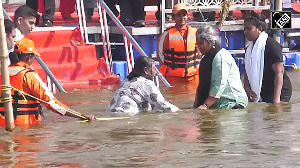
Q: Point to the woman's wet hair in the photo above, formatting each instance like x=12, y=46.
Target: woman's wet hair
x=257, y=20
x=209, y=34
x=9, y=26
x=139, y=66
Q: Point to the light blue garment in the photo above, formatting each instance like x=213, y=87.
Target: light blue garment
x=226, y=83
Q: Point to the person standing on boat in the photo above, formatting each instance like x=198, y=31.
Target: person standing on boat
x=24, y=20
x=177, y=49
x=47, y=7
x=220, y=85
x=22, y=77
x=66, y=8
x=265, y=78
x=139, y=93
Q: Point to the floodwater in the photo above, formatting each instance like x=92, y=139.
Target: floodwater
x=260, y=136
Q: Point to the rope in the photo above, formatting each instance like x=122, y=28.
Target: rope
x=8, y=87
x=5, y=99
x=226, y=38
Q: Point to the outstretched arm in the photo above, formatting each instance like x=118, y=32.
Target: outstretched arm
x=32, y=84
x=75, y=114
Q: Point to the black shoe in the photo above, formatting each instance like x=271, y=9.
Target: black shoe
x=229, y=18
x=47, y=23
x=139, y=23
x=126, y=22
x=37, y=22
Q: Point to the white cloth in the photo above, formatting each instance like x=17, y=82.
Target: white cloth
x=254, y=63
x=137, y=95
x=19, y=36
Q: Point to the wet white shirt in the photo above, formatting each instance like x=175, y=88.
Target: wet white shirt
x=137, y=95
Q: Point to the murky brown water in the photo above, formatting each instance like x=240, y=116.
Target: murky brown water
x=260, y=136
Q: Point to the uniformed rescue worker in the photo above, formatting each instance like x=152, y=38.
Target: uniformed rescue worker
x=24, y=78
x=177, y=49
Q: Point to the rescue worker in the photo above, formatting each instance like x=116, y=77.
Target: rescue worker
x=177, y=49
x=27, y=109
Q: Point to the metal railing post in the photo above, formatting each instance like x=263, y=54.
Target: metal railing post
x=132, y=40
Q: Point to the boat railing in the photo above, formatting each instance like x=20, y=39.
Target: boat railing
x=129, y=41
x=210, y=5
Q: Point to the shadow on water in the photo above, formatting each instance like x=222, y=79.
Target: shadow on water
x=262, y=135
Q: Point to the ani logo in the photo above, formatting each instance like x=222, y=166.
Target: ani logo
x=281, y=20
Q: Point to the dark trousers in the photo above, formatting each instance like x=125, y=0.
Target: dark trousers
x=49, y=6
x=112, y=5
x=131, y=11
x=67, y=7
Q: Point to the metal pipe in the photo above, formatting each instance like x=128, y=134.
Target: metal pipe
x=132, y=40
x=50, y=74
x=6, y=15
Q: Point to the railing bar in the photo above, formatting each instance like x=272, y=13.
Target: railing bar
x=103, y=37
x=135, y=44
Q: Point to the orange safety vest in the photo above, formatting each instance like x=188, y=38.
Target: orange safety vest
x=181, y=59
x=26, y=109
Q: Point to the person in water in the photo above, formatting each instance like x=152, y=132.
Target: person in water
x=139, y=93
x=22, y=77
x=265, y=78
x=220, y=85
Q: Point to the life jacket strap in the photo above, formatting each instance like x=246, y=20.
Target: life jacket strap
x=17, y=105
x=178, y=53
x=187, y=65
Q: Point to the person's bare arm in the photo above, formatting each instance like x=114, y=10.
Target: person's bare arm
x=251, y=95
x=209, y=102
x=278, y=69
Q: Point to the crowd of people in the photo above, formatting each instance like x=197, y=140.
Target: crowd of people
x=220, y=85
x=22, y=53
x=181, y=49
x=131, y=11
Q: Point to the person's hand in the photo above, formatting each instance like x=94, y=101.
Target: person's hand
x=276, y=101
x=251, y=95
x=90, y=117
x=202, y=107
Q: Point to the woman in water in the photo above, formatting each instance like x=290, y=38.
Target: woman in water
x=139, y=93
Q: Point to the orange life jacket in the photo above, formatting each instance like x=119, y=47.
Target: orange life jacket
x=181, y=59
x=26, y=109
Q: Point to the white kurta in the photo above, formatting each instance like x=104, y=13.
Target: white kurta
x=137, y=95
